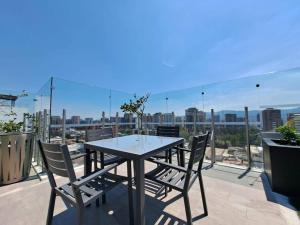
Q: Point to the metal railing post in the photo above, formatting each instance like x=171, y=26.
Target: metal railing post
x=50, y=109
x=194, y=125
x=40, y=135
x=103, y=119
x=64, y=127
x=24, y=122
x=117, y=124
x=249, y=158
x=45, y=126
x=173, y=118
x=212, y=140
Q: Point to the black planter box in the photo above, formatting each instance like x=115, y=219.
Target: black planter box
x=282, y=166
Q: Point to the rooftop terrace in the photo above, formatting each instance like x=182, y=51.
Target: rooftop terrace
x=236, y=188
x=233, y=198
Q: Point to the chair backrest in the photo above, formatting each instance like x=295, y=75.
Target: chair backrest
x=167, y=131
x=197, y=154
x=57, y=161
x=103, y=133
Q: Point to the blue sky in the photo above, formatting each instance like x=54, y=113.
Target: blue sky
x=149, y=46
x=139, y=46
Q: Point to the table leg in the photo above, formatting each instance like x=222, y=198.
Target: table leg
x=87, y=162
x=130, y=196
x=103, y=180
x=182, y=156
x=139, y=168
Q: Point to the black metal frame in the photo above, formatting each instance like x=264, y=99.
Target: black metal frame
x=182, y=178
x=139, y=170
x=83, y=191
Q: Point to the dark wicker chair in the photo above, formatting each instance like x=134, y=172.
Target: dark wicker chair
x=181, y=178
x=83, y=191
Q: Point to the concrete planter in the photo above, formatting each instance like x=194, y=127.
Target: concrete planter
x=282, y=166
x=15, y=156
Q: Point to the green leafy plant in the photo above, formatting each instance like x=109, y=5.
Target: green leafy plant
x=136, y=106
x=11, y=125
x=288, y=132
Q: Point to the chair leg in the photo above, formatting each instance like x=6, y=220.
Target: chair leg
x=98, y=202
x=187, y=209
x=166, y=160
x=203, y=194
x=95, y=161
x=170, y=156
x=80, y=216
x=103, y=180
x=51, y=207
x=116, y=170
x=130, y=195
x=178, y=157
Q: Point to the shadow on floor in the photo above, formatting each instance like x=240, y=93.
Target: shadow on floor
x=115, y=211
x=291, y=203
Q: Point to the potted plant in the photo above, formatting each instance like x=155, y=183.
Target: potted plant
x=136, y=106
x=16, y=147
x=282, y=161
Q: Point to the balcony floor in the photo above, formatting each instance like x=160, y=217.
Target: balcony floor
x=232, y=198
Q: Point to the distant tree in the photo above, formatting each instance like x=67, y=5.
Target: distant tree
x=136, y=106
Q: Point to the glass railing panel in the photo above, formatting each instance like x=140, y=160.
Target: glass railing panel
x=86, y=107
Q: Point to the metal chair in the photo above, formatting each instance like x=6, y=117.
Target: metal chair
x=181, y=178
x=79, y=192
x=103, y=159
x=168, y=131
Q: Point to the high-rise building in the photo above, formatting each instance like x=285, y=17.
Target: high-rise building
x=88, y=120
x=75, y=119
x=179, y=119
x=127, y=117
x=271, y=119
x=157, y=117
x=56, y=120
x=240, y=119
x=230, y=117
x=168, y=117
x=296, y=118
x=147, y=118
x=217, y=118
x=258, y=117
x=193, y=112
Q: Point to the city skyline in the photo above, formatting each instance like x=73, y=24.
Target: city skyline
x=270, y=117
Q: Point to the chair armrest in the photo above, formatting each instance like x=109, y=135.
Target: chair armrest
x=180, y=168
x=183, y=149
x=99, y=173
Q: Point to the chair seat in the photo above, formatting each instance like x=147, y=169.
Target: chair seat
x=170, y=177
x=92, y=190
x=110, y=159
